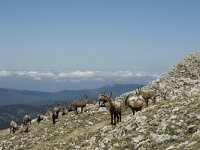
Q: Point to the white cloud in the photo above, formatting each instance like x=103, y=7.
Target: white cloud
x=76, y=76
x=4, y=73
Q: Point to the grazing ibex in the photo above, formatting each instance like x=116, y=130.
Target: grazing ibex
x=103, y=98
x=70, y=108
x=115, y=110
x=26, y=120
x=146, y=95
x=57, y=110
x=52, y=114
x=40, y=118
x=64, y=111
x=134, y=104
x=76, y=104
x=25, y=129
x=13, y=127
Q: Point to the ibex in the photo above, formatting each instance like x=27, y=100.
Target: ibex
x=40, y=118
x=115, y=110
x=25, y=129
x=64, y=111
x=52, y=114
x=57, y=109
x=103, y=97
x=13, y=127
x=146, y=95
x=76, y=104
x=26, y=120
x=134, y=104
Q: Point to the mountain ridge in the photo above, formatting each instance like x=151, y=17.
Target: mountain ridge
x=15, y=96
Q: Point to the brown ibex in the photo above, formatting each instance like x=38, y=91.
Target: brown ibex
x=13, y=127
x=134, y=104
x=57, y=109
x=25, y=129
x=115, y=110
x=52, y=114
x=146, y=95
x=76, y=104
x=26, y=120
x=70, y=108
x=40, y=118
x=64, y=110
x=103, y=97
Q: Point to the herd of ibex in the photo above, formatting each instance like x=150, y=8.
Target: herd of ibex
x=136, y=103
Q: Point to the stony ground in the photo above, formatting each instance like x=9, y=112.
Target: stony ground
x=173, y=123
x=166, y=125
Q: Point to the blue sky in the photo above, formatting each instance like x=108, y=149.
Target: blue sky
x=96, y=35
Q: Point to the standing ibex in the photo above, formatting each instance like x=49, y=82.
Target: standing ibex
x=103, y=97
x=57, y=109
x=64, y=111
x=70, y=108
x=26, y=120
x=13, y=126
x=115, y=110
x=25, y=128
x=134, y=104
x=39, y=118
x=76, y=104
x=52, y=114
x=146, y=95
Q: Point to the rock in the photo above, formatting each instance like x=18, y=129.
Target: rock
x=92, y=140
x=90, y=123
x=196, y=134
x=191, y=129
x=160, y=138
x=192, y=143
x=183, y=145
x=140, y=120
x=77, y=147
x=102, y=109
x=171, y=147
x=138, y=138
x=12, y=138
x=116, y=145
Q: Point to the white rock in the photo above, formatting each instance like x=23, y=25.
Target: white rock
x=182, y=145
x=102, y=109
x=171, y=147
x=90, y=123
x=12, y=138
x=160, y=138
x=138, y=138
x=77, y=147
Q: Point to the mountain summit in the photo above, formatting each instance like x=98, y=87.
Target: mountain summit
x=172, y=123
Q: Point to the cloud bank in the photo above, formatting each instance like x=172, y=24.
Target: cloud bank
x=61, y=80
x=76, y=75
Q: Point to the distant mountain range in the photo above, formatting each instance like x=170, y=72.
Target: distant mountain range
x=14, y=104
x=13, y=96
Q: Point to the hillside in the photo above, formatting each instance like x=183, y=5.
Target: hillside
x=32, y=102
x=17, y=112
x=172, y=123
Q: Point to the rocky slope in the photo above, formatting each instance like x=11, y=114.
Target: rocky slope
x=183, y=79
x=172, y=123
